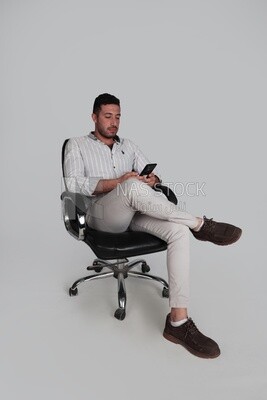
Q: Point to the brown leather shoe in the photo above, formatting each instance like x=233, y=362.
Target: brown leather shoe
x=217, y=232
x=191, y=338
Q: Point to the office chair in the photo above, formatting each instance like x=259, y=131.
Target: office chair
x=111, y=249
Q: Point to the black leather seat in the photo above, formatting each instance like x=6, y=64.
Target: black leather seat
x=115, y=247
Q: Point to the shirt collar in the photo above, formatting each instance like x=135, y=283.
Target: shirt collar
x=92, y=136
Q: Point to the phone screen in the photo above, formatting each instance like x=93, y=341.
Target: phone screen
x=148, y=169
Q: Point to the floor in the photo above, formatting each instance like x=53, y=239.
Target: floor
x=55, y=346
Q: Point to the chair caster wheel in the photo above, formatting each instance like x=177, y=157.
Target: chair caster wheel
x=95, y=266
x=98, y=269
x=145, y=268
x=165, y=292
x=120, y=314
x=73, y=292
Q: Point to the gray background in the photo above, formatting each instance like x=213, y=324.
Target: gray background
x=191, y=76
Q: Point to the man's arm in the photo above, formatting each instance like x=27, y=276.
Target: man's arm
x=91, y=186
x=106, y=185
x=75, y=178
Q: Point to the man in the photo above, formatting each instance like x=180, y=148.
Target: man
x=106, y=168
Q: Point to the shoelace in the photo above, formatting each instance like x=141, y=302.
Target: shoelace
x=191, y=328
x=209, y=225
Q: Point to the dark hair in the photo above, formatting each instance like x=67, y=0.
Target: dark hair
x=104, y=98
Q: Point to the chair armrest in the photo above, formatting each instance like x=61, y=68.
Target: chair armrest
x=167, y=192
x=78, y=199
x=74, y=213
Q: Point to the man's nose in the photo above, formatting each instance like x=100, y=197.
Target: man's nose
x=114, y=122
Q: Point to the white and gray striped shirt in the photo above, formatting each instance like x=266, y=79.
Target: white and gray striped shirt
x=87, y=160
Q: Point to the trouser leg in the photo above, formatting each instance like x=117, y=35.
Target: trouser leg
x=177, y=238
x=114, y=211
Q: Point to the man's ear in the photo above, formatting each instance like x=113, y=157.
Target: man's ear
x=94, y=117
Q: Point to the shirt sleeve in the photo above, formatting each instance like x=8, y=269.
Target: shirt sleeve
x=74, y=171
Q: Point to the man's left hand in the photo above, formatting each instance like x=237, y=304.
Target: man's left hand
x=151, y=179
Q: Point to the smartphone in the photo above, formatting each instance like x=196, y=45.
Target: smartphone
x=148, y=169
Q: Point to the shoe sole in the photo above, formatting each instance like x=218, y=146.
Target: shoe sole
x=173, y=339
x=235, y=239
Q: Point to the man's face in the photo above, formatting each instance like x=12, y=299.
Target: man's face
x=107, y=121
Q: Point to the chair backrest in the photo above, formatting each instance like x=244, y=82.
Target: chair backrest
x=62, y=162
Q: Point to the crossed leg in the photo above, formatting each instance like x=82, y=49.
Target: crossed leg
x=137, y=206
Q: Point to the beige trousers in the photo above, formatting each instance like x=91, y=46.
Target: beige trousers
x=136, y=206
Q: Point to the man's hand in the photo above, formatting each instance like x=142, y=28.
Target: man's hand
x=130, y=175
x=150, y=179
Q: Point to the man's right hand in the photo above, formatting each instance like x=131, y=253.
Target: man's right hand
x=129, y=175
x=106, y=185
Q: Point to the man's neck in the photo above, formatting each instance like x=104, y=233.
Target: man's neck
x=108, y=141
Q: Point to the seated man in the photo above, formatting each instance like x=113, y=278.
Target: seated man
x=106, y=168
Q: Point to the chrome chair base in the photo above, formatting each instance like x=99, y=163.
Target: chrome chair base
x=120, y=270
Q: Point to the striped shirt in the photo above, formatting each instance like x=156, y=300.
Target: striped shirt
x=87, y=160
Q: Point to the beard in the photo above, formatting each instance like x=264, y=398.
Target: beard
x=107, y=133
